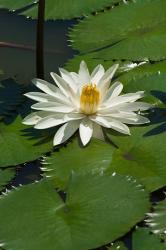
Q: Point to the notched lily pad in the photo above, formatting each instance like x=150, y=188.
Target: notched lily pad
x=93, y=202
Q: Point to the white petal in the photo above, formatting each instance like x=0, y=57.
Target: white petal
x=65, y=88
x=65, y=132
x=131, y=97
x=97, y=74
x=105, y=80
x=57, y=119
x=35, y=117
x=134, y=106
x=53, y=107
x=84, y=73
x=51, y=90
x=97, y=132
x=86, y=131
x=69, y=79
x=111, y=123
x=39, y=97
x=45, y=86
x=75, y=77
x=114, y=91
x=128, y=117
x=137, y=119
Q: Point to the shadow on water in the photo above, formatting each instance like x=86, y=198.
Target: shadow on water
x=158, y=115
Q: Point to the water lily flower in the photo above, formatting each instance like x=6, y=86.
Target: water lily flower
x=86, y=102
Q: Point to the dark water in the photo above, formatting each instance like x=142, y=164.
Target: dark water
x=20, y=30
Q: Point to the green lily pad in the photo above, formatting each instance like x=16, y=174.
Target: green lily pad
x=59, y=9
x=36, y=212
x=20, y=143
x=133, y=31
x=94, y=159
x=143, y=240
x=5, y=176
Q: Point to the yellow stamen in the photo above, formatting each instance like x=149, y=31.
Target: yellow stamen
x=89, y=99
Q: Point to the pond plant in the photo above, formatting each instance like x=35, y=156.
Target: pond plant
x=100, y=149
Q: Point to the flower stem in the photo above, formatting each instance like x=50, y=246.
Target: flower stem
x=40, y=40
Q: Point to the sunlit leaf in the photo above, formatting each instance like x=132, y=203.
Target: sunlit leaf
x=92, y=62
x=94, y=159
x=144, y=155
x=59, y=9
x=43, y=221
x=143, y=240
x=5, y=176
x=133, y=31
x=20, y=143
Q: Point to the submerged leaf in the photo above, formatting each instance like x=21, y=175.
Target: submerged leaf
x=97, y=210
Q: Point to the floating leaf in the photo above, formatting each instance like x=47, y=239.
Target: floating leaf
x=95, y=158
x=59, y=9
x=144, y=155
x=74, y=63
x=5, y=176
x=133, y=31
x=92, y=203
x=20, y=144
x=143, y=240
x=154, y=86
x=157, y=219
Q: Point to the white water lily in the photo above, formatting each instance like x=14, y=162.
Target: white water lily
x=86, y=102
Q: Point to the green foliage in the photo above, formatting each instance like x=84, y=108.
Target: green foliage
x=133, y=31
x=143, y=240
x=60, y=9
x=5, y=176
x=157, y=219
x=139, y=159
x=96, y=212
x=92, y=62
x=93, y=159
x=20, y=144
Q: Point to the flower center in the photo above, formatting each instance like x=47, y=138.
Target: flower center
x=89, y=99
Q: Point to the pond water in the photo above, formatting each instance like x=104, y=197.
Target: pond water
x=19, y=30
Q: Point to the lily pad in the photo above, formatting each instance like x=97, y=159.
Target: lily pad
x=133, y=31
x=5, y=176
x=94, y=159
x=59, y=9
x=20, y=143
x=143, y=240
x=93, y=203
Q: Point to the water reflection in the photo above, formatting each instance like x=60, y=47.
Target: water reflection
x=20, y=30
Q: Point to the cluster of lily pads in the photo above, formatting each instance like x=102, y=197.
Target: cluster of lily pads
x=90, y=197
